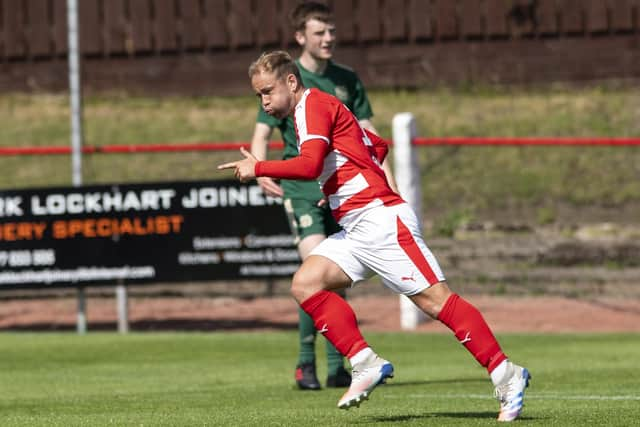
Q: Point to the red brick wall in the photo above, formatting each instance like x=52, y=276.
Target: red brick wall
x=205, y=46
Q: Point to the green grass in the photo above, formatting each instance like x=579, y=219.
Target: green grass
x=245, y=379
x=535, y=184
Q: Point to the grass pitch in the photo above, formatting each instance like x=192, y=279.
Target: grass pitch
x=245, y=379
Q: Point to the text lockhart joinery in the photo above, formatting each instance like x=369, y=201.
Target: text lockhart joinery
x=132, y=200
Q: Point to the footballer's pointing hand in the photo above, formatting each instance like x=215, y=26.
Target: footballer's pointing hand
x=245, y=168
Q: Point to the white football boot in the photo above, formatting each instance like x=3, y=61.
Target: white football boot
x=365, y=377
x=510, y=393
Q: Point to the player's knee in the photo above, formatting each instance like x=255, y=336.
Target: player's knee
x=304, y=284
x=432, y=299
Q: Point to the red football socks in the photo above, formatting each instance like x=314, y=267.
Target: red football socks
x=472, y=331
x=334, y=318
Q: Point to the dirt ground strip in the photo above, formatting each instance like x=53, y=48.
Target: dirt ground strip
x=376, y=313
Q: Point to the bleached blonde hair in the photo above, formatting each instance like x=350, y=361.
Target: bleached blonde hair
x=278, y=62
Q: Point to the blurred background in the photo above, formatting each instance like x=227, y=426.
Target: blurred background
x=502, y=219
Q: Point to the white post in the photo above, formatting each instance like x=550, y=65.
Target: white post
x=122, y=305
x=75, y=92
x=75, y=99
x=81, y=317
x=407, y=174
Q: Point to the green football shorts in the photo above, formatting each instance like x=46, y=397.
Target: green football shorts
x=307, y=218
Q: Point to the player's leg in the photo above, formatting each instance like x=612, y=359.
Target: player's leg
x=312, y=287
x=337, y=375
x=420, y=278
x=407, y=266
x=467, y=323
x=308, y=232
x=324, y=271
x=310, y=225
x=305, y=373
x=473, y=332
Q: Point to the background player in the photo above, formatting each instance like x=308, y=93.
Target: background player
x=380, y=235
x=310, y=219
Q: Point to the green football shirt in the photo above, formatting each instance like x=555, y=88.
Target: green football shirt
x=344, y=84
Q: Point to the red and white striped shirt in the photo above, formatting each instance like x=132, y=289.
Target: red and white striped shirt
x=343, y=157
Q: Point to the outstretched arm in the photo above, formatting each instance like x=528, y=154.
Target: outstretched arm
x=308, y=165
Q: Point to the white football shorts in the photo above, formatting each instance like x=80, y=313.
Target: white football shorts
x=386, y=241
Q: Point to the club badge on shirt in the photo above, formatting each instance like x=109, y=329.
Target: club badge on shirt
x=306, y=221
x=342, y=93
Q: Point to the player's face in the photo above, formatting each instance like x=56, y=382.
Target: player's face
x=276, y=95
x=318, y=39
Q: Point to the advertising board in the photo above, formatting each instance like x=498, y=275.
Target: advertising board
x=142, y=233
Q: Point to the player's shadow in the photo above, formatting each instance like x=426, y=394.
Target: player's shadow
x=395, y=383
x=437, y=415
x=431, y=416
x=478, y=415
x=486, y=415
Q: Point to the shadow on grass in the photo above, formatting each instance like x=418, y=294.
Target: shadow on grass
x=458, y=415
x=145, y=325
x=486, y=415
x=394, y=383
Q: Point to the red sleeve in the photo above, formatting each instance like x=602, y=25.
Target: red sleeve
x=317, y=118
x=380, y=146
x=308, y=165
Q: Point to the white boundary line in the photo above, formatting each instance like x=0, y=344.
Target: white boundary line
x=535, y=396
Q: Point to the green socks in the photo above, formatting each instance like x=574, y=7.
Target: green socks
x=307, y=345
x=307, y=338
